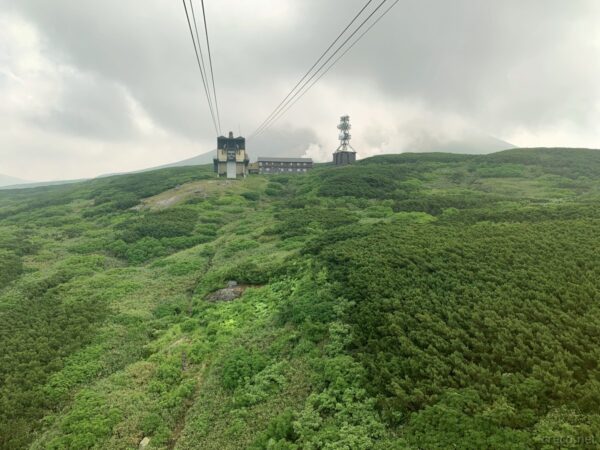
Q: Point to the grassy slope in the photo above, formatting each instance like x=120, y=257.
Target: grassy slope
x=422, y=300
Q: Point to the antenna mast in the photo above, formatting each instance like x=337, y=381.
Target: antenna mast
x=344, y=154
x=345, y=135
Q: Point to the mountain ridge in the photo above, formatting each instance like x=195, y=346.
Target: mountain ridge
x=6, y=180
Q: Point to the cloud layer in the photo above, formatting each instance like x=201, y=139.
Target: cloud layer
x=95, y=87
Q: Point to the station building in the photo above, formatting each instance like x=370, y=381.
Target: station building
x=232, y=160
x=270, y=165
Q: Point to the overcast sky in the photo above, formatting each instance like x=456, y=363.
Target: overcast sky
x=89, y=87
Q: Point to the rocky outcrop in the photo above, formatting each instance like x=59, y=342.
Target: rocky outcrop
x=231, y=292
x=144, y=443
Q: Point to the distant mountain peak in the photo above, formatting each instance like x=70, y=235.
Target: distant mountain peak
x=6, y=180
x=470, y=143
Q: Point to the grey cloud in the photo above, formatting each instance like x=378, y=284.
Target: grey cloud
x=89, y=107
x=143, y=47
x=497, y=65
x=506, y=62
x=289, y=141
x=455, y=55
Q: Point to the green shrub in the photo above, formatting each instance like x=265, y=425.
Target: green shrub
x=240, y=366
x=250, y=272
x=144, y=250
x=358, y=183
x=295, y=222
x=168, y=223
x=273, y=192
x=151, y=423
x=11, y=267
x=251, y=196
x=189, y=325
x=279, y=434
x=240, y=245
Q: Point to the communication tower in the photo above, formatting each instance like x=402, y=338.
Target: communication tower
x=344, y=154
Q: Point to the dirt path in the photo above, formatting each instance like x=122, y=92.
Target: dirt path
x=176, y=434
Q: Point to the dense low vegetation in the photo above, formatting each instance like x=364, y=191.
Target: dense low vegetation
x=408, y=301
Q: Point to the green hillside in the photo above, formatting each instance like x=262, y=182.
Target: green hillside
x=413, y=301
